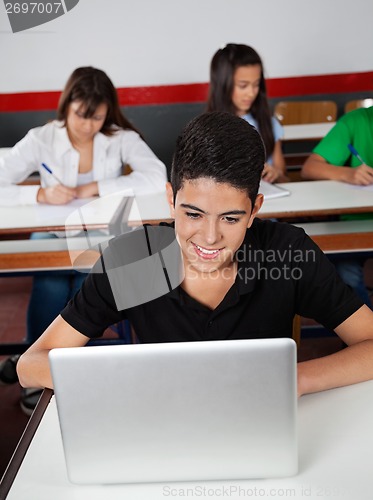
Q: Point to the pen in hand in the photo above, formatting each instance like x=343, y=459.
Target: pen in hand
x=51, y=173
x=356, y=154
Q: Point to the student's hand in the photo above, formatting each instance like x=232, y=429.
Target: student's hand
x=87, y=190
x=56, y=195
x=270, y=173
x=362, y=175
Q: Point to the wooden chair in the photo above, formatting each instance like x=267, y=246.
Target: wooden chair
x=358, y=103
x=298, y=112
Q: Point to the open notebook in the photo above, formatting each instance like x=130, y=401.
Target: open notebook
x=272, y=190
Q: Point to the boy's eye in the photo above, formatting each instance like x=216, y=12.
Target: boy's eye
x=193, y=215
x=231, y=220
x=80, y=114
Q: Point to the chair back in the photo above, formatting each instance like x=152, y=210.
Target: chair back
x=358, y=103
x=298, y=112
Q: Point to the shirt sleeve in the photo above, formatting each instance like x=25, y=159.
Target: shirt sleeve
x=148, y=172
x=278, y=130
x=334, y=146
x=320, y=292
x=93, y=308
x=15, y=167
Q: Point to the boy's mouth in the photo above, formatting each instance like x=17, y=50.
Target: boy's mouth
x=206, y=253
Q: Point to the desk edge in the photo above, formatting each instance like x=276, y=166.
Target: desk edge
x=24, y=443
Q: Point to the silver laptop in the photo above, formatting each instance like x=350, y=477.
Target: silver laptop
x=182, y=411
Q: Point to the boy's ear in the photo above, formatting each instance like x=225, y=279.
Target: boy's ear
x=255, y=209
x=170, y=199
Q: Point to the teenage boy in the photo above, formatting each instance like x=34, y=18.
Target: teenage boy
x=242, y=277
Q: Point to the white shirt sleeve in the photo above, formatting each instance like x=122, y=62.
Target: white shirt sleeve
x=15, y=167
x=148, y=174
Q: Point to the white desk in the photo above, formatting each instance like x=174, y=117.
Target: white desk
x=312, y=198
x=341, y=236
x=335, y=460
x=50, y=254
x=315, y=198
x=92, y=213
x=306, y=199
x=306, y=131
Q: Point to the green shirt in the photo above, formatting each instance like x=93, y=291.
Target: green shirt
x=354, y=128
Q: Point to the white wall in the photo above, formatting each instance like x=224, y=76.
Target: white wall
x=154, y=42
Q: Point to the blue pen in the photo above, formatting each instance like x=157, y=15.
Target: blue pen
x=355, y=153
x=50, y=172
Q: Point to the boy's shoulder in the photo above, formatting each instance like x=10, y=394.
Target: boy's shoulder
x=273, y=233
x=140, y=243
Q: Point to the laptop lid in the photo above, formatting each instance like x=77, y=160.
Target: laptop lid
x=208, y=410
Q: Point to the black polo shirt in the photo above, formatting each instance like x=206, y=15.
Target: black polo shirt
x=281, y=272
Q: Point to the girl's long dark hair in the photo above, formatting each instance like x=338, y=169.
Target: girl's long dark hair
x=93, y=87
x=223, y=66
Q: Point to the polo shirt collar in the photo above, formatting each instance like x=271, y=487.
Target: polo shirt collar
x=249, y=261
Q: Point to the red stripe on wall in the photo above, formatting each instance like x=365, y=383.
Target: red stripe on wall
x=197, y=92
x=320, y=84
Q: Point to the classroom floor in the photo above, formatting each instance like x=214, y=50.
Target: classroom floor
x=14, y=296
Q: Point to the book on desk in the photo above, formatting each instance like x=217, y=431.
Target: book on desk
x=272, y=190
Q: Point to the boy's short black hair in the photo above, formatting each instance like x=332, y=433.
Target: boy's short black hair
x=222, y=147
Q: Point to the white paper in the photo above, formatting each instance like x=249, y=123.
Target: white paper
x=272, y=190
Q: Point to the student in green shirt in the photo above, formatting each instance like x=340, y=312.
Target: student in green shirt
x=333, y=160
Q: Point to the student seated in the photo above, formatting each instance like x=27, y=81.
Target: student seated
x=332, y=159
x=242, y=277
x=237, y=85
x=84, y=152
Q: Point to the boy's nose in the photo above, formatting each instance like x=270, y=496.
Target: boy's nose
x=212, y=233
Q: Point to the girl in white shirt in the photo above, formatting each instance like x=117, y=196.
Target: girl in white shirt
x=86, y=149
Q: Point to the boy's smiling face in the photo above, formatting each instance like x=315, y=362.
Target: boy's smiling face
x=211, y=219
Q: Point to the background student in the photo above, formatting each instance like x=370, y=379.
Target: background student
x=332, y=159
x=86, y=149
x=232, y=286
x=237, y=85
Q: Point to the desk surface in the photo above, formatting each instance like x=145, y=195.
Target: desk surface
x=306, y=131
x=335, y=459
x=92, y=213
x=306, y=199
x=310, y=198
x=315, y=198
x=50, y=254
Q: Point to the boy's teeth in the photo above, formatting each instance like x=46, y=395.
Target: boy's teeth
x=203, y=250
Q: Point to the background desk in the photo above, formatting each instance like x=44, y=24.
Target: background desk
x=306, y=131
x=91, y=213
x=49, y=255
x=298, y=142
x=318, y=198
x=335, y=459
x=307, y=199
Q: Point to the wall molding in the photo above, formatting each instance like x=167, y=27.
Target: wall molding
x=197, y=92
